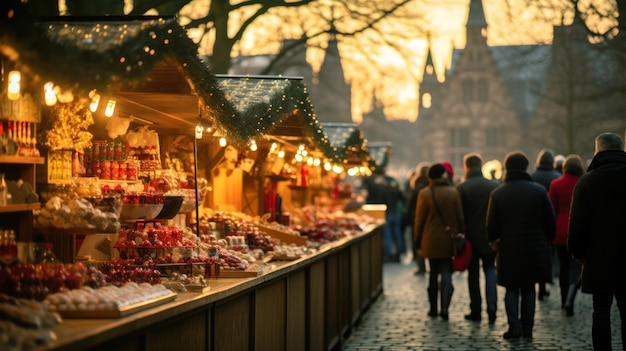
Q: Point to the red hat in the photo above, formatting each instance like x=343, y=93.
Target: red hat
x=448, y=167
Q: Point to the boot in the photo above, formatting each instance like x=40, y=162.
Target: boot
x=432, y=298
x=446, y=297
x=569, y=304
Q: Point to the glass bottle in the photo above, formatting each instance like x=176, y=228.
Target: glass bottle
x=11, y=247
x=48, y=255
x=3, y=190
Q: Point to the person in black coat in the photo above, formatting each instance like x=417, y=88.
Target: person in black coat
x=544, y=174
x=474, y=192
x=520, y=227
x=597, y=237
x=417, y=182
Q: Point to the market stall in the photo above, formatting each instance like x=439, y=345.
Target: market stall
x=153, y=209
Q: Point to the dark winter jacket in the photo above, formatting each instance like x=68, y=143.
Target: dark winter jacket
x=430, y=233
x=597, y=227
x=474, y=193
x=411, y=201
x=521, y=217
x=544, y=175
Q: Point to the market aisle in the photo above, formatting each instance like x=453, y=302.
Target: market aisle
x=398, y=320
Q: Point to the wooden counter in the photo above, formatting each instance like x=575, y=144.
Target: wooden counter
x=308, y=304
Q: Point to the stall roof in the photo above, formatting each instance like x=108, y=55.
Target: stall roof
x=380, y=152
x=273, y=105
x=116, y=55
x=347, y=141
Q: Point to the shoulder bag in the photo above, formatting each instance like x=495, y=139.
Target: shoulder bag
x=460, y=245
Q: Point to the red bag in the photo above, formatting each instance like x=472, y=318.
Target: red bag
x=461, y=262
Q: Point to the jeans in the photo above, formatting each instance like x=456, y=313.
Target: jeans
x=601, y=327
x=473, y=284
x=393, y=236
x=440, y=267
x=520, y=319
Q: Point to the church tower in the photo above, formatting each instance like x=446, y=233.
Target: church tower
x=332, y=95
x=429, y=87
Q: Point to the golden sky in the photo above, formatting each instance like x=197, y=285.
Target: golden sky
x=395, y=79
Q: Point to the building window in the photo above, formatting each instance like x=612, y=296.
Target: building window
x=491, y=136
x=468, y=89
x=482, y=90
x=464, y=137
x=459, y=137
x=427, y=100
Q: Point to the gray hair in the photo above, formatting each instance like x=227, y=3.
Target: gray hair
x=609, y=141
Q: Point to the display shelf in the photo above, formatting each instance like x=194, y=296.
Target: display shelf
x=278, y=178
x=20, y=207
x=26, y=160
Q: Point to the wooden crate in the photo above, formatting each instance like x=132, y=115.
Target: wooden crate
x=283, y=236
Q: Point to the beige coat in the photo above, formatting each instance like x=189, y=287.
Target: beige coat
x=430, y=234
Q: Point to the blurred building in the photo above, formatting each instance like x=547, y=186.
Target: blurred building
x=496, y=99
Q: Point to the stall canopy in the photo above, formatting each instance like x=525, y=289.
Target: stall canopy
x=111, y=55
x=380, y=152
x=273, y=106
x=117, y=57
x=347, y=143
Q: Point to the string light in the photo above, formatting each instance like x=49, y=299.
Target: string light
x=223, y=142
x=50, y=96
x=110, y=109
x=13, y=91
x=95, y=101
x=199, y=130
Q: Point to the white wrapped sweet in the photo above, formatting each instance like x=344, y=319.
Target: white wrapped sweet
x=54, y=204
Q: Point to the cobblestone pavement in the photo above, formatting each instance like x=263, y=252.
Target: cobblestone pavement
x=398, y=320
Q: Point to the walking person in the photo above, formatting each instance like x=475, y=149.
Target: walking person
x=520, y=227
x=416, y=183
x=438, y=216
x=560, y=194
x=474, y=192
x=597, y=237
x=379, y=192
x=544, y=174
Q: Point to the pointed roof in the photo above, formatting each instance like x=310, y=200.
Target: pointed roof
x=476, y=16
x=347, y=142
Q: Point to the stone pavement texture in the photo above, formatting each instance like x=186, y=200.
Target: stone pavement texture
x=398, y=320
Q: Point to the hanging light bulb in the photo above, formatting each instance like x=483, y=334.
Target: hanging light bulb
x=95, y=101
x=50, y=96
x=281, y=154
x=199, y=131
x=253, y=146
x=13, y=91
x=110, y=108
x=223, y=142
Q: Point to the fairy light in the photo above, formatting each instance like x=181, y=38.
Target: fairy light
x=95, y=101
x=223, y=142
x=110, y=109
x=50, y=96
x=281, y=154
x=13, y=91
x=253, y=146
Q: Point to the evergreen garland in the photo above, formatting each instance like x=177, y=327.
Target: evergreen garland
x=61, y=50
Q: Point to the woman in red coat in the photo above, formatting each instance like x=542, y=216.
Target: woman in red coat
x=560, y=193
